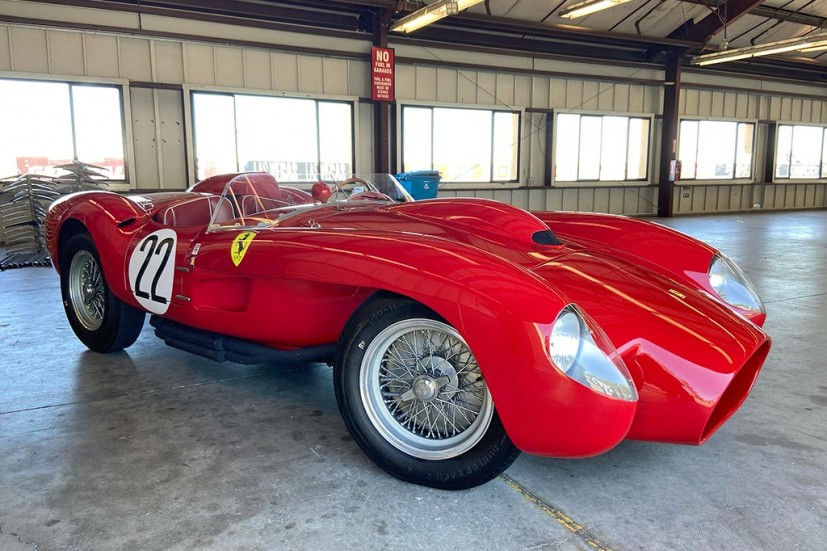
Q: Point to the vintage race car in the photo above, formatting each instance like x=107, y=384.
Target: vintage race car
x=461, y=331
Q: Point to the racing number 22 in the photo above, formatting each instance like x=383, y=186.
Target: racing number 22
x=155, y=248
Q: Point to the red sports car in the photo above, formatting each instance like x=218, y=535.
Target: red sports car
x=460, y=330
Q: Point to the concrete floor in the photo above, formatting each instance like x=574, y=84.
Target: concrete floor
x=157, y=449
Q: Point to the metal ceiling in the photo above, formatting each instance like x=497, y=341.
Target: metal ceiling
x=637, y=32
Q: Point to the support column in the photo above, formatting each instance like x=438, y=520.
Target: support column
x=381, y=109
x=669, y=133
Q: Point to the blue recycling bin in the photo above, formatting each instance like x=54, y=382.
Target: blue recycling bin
x=421, y=184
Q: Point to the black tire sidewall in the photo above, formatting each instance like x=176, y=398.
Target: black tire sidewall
x=486, y=460
x=119, y=328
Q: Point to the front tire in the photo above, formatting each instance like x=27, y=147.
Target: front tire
x=413, y=397
x=101, y=321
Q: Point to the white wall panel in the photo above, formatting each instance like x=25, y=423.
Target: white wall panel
x=334, y=73
x=574, y=94
x=311, y=74
x=29, y=51
x=229, y=67
x=558, y=91
x=101, y=53
x=66, y=53
x=135, y=60
x=5, y=51
x=820, y=197
x=257, y=70
x=605, y=96
x=522, y=91
x=537, y=199
x=540, y=92
x=170, y=128
x=405, y=85
x=621, y=97
x=486, y=88
x=199, y=62
x=446, y=85
x=285, y=70
x=652, y=100
x=144, y=132
x=591, y=91
x=426, y=83
x=168, y=62
x=786, y=109
x=504, y=90
x=364, y=137
x=637, y=101
x=466, y=86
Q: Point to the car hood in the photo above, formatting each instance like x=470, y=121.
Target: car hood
x=499, y=229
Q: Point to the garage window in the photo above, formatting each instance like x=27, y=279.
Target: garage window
x=47, y=124
x=295, y=140
x=464, y=145
x=800, y=152
x=600, y=148
x=715, y=150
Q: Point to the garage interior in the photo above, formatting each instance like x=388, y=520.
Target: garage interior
x=156, y=449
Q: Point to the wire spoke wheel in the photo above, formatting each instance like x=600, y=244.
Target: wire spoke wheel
x=423, y=390
x=87, y=291
x=100, y=319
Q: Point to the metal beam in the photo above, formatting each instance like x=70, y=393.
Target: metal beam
x=709, y=26
x=669, y=134
x=779, y=14
x=381, y=109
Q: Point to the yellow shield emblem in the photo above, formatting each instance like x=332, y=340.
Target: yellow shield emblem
x=240, y=245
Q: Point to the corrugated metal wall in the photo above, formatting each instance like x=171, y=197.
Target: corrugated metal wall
x=159, y=73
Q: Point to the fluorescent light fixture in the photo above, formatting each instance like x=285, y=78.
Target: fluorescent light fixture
x=808, y=43
x=430, y=13
x=581, y=9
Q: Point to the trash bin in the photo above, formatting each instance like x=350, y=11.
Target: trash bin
x=421, y=184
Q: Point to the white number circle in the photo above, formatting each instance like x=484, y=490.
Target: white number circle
x=151, y=269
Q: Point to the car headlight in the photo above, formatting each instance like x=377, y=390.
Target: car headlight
x=730, y=283
x=580, y=349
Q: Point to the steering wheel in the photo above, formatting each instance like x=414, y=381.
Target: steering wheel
x=340, y=186
x=350, y=181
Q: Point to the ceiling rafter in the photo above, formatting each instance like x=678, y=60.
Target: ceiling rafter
x=725, y=14
x=351, y=18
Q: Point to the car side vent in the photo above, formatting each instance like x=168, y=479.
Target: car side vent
x=545, y=237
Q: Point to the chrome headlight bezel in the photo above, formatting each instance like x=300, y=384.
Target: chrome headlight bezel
x=579, y=349
x=732, y=286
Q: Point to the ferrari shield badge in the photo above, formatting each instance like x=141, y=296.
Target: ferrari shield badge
x=240, y=245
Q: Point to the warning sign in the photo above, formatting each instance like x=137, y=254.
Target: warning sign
x=381, y=74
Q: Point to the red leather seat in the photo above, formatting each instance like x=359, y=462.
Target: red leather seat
x=196, y=212
x=253, y=204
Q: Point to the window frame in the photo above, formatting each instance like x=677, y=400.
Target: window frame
x=718, y=181
x=638, y=182
x=190, y=91
x=122, y=87
x=822, y=167
x=491, y=184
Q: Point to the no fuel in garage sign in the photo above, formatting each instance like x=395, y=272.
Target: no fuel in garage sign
x=381, y=74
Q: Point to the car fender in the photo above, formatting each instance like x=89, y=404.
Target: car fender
x=110, y=219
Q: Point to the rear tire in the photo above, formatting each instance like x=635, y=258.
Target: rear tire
x=413, y=398
x=101, y=321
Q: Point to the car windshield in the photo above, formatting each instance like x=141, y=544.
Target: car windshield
x=255, y=199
